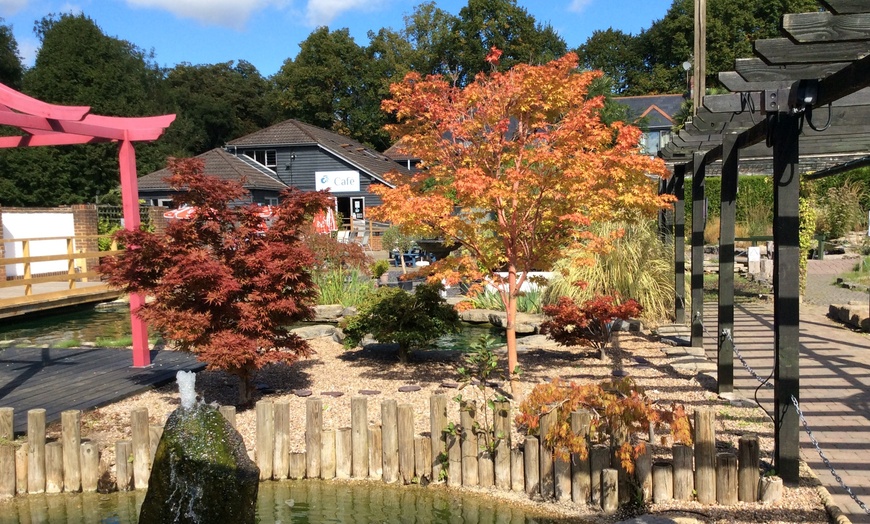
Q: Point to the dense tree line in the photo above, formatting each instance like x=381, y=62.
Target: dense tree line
x=333, y=81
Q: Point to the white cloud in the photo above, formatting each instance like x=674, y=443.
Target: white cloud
x=578, y=6
x=11, y=7
x=322, y=12
x=226, y=13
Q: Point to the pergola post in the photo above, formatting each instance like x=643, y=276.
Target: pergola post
x=699, y=210
x=786, y=292
x=679, y=245
x=727, y=219
x=130, y=202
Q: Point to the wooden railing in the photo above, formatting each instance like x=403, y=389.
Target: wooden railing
x=81, y=254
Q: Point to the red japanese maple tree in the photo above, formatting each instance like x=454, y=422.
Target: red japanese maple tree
x=224, y=286
x=590, y=324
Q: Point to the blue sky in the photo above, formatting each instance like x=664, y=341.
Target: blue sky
x=267, y=32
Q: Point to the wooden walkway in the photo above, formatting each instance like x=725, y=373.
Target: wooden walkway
x=84, y=378
x=52, y=295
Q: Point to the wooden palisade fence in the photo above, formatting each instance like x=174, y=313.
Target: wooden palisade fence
x=391, y=452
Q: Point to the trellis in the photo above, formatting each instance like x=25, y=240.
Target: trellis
x=799, y=104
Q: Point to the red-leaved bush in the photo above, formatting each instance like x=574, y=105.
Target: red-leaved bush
x=587, y=325
x=224, y=286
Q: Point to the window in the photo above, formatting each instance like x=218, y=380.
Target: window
x=266, y=157
x=271, y=201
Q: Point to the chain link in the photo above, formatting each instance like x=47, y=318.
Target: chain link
x=727, y=334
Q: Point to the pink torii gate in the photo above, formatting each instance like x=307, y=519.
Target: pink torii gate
x=56, y=125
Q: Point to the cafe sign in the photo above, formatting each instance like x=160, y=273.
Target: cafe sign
x=337, y=181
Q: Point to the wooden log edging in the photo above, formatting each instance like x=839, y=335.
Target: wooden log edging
x=391, y=451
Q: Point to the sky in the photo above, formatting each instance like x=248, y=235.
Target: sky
x=267, y=32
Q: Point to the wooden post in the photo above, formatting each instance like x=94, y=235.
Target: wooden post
x=123, y=465
x=663, y=485
x=485, y=469
x=359, y=423
x=532, y=466
x=562, y=471
x=54, y=467
x=503, y=465
x=727, y=219
x=343, y=453
x=785, y=131
x=6, y=424
x=71, y=436
x=501, y=423
x=470, y=475
x=643, y=473
x=141, y=447
x=390, y=438
x=517, y=474
x=281, y=463
x=327, y=455
x=548, y=479
x=726, y=479
x=679, y=245
x=376, y=453
x=454, y=461
x=36, y=451
x=90, y=459
x=265, y=439
x=7, y=470
x=705, y=456
x=422, y=458
x=617, y=439
x=313, y=429
x=698, y=223
x=229, y=413
x=296, y=464
x=609, y=490
x=581, y=481
x=683, y=472
x=438, y=423
x=747, y=485
x=21, y=468
x=599, y=460
x=769, y=489
x=406, y=442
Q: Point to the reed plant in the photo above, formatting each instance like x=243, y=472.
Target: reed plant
x=636, y=265
x=345, y=286
x=527, y=302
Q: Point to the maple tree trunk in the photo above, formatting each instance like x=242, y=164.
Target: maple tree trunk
x=511, y=329
x=404, y=354
x=245, y=388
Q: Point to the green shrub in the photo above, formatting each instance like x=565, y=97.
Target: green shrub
x=394, y=316
x=379, y=268
x=639, y=265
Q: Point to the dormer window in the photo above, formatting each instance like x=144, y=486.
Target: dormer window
x=266, y=157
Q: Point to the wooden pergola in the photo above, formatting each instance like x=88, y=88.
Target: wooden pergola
x=44, y=124
x=801, y=103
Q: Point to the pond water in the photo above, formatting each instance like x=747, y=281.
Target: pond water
x=297, y=502
x=90, y=325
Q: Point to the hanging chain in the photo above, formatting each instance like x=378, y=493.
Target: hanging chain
x=726, y=333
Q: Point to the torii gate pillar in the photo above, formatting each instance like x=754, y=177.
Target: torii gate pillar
x=130, y=202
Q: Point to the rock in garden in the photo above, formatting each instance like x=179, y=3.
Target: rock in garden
x=475, y=316
x=328, y=312
x=315, y=331
x=526, y=323
x=201, y=472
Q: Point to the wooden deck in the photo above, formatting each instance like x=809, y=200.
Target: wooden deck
x=84, y=378
x=51, y=295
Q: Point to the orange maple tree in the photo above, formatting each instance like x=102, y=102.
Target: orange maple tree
x=514, y=167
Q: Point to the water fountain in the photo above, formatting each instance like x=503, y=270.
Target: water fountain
x=201, y=471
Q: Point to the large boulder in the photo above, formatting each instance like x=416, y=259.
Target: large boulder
x=328, y=312
x=526, y=323
x=201, y=472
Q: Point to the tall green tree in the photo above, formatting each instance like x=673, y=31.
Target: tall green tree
x=11, y=69
x=484, y=24
x=216, y=103
x=429, y=32
x=326, y=84
x=78, y=64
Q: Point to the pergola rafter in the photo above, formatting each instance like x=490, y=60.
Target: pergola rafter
x=821, y=68
x=45, y=124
